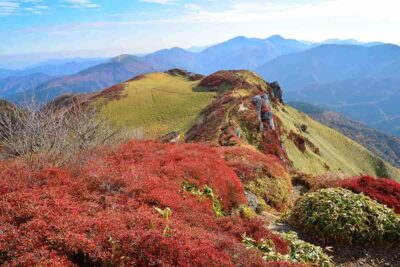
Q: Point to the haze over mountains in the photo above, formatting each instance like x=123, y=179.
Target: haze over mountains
x=357, y=79
x=360, y=82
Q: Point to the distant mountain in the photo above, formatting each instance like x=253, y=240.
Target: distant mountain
x=246, y=53
x=15, y=84
x=172, y=58
x=374, y=101
x=332, y=63
x=237, y=53
x=308, y=73
x=384, y=145
x=197, y=49
x=360, y=82
x=55, y=67
x=61, y=67
x=4, y=73
x=350, y=42
x=100, y=76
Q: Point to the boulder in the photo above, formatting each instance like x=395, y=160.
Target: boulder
x=277, y=91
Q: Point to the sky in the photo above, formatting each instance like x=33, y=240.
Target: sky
x=95, y=28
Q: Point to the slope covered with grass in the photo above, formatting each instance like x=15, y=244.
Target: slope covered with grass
x=337, y=153
x=157, y=103
x=383, y=145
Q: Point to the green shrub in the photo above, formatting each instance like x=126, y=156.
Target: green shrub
x=299, y=251
x=208, y=193
x=303, y=252
x=246, y=212
x=341, y=215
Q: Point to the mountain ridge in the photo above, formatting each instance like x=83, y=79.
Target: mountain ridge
x=226, y=107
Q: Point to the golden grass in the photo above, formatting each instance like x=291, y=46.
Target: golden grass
x=157, y=104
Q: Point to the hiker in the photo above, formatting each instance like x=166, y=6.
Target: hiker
x=257, y=100
x=266, y=113
x=263, y=109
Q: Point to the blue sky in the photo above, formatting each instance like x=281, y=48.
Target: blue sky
x=111, y=27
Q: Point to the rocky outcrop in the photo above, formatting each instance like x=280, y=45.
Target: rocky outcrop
x=277, y=91
x=188, y=75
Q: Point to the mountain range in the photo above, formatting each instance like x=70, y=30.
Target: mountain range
x=360, y=82
x=237, y=53
x=357, y=79
x=15, y=84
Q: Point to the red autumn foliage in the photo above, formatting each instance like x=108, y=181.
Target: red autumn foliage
x=383, y=190
x=220, y=78
x=113, y=92
x=101, y=212
x=248, y=164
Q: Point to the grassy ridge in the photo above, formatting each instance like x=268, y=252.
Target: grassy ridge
x=158, y=103
x=337, y=152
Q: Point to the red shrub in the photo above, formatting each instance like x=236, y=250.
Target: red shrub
x=220, y=78
x=383, y=190
x=102, y=211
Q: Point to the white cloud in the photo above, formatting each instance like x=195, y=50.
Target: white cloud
x=192, y=7
x=253, y=12
x=162, y=2
x=20, y=7
x=247, y=11
x=314, y=20
x=80, y=4
x=8, y=7
x=36, y=9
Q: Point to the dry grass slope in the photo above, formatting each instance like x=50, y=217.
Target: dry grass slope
x=158, y=103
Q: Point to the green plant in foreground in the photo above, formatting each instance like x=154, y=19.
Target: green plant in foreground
x=299, y=251
x=166, y=214
x=341, y=215
x=303, y=252
x=206, y=192
x=246, y=212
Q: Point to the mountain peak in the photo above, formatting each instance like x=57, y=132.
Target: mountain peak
x=237, y=39
x=275, y=37
x=123, y=58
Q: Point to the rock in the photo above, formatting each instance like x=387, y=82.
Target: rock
x=188, y=75
x=277, y=91
x=252, y=199
x=172, y=137
x=242, y=107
